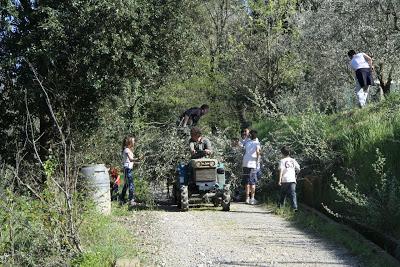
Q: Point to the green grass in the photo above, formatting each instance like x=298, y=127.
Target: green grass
x=105, y=240
x=120, y=211
x=339, y=234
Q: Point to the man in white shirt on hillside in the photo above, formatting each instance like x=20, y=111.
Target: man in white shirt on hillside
x=250, y=163
x=287, y=178
x=362, y=66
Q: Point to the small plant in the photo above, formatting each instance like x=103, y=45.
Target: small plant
x=144, y=192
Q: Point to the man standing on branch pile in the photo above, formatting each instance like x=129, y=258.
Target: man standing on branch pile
x=192, y=116
x=361, y=64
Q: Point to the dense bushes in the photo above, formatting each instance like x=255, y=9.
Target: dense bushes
x=36, y=230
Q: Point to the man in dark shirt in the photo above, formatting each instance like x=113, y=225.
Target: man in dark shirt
x=192, y=116
x=199, y=146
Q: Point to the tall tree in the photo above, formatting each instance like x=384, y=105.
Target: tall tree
x=81, y=53
x=331, y=28
x=264, y=60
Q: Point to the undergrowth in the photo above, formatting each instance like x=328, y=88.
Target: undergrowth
x=105, y=240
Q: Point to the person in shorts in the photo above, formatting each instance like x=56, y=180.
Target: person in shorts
x=249, y=164
x=362, y=66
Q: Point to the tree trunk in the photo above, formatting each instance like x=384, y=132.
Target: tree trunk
x=241, y=111
x=45, y=140
x=384, y=86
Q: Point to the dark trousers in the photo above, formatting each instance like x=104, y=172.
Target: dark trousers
x=364, y=77
x=114, y=192
x=288, y=189
x=128, y=183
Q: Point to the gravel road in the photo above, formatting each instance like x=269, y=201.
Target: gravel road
x=245, y=236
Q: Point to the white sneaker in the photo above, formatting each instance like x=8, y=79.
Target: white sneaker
x=253, y=201
x=247, y=200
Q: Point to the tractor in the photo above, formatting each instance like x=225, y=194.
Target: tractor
x=201, y=181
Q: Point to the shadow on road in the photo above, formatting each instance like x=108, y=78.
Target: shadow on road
x=253, y=212
x=169, y=206
x=302, y=263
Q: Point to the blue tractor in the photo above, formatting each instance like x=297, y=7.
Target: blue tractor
x=201, y=181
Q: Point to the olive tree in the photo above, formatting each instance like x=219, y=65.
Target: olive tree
x=330, y=28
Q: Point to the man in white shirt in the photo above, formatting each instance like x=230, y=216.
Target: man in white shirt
x=250, y=162
x=245, y=137
x=287, y=178
x=362, y=66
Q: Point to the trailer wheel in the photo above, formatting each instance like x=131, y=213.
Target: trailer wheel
x=184, y=198
x=217, y=201
x=226, y=198
x=176, y=196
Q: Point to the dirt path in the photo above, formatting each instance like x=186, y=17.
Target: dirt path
x=246, y=236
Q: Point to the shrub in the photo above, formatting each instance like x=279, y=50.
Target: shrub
x=32, y=232
x=379, y=208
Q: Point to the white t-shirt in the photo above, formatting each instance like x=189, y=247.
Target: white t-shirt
x=243, y=142
x=358, y=62
x=288, y=166
x=125, y=159
x=250, y=154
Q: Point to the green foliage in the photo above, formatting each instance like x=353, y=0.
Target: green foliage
x=363, y=132
x=50, y=166
x=328, y=29
x=143, y=192
x=31, y=232
x=83, y=53
x=379, y=207
x=263, y=58
x=308, y=136
x=38, y=224
x=233, y=164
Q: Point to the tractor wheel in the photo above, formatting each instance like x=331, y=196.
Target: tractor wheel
x=217, y=201
x=176, y=196
x=226, y=199
x=184, y=203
